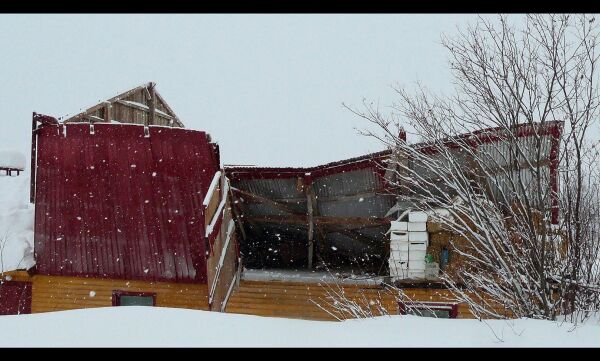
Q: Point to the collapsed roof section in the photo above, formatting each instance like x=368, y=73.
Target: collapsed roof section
x=140, y=105
x=337, y=212
x=334, y=213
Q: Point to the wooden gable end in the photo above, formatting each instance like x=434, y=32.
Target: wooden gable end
x=140, y=105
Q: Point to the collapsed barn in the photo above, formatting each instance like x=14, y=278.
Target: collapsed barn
x=337, y=216
x=131, y=208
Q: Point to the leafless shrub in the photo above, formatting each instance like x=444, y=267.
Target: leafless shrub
x=522, y=189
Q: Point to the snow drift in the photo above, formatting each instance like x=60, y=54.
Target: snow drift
x=16, y=223
x=155, y=327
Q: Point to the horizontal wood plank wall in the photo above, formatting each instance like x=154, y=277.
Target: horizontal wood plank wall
x=302, y=300
x=55, y=293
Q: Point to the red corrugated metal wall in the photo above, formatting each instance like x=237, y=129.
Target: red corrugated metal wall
x=112, y=201
x=15, y=298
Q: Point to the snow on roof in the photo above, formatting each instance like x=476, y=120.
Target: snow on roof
x=12, y=159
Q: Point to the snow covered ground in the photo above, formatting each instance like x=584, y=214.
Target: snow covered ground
x=16, y=223
x=149, y=326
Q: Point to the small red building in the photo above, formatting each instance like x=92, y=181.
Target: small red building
x=122, y=208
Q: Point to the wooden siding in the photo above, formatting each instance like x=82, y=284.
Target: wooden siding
x=302, y=300
x=222, y=260
x=140, y=105
x=228, y=269
x=54, y=293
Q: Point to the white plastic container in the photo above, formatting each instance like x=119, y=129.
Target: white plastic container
x=417, y=226
x=419, y=217
x=399, y=236
x=398, y=226
x=418, y=237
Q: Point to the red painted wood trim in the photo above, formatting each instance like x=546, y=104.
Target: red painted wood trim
x=402, y=307
x=116, y=296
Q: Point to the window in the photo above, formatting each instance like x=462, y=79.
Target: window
x=429, y=309
x=125, y=298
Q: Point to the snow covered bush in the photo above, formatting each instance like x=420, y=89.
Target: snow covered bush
x=522, y=186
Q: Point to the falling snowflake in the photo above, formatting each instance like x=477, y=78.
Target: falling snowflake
x=92, y=294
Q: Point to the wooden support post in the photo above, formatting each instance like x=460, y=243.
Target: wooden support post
x=33, y=158
x=236, y=214
x=311, y=226
x=311, y=207
x=107, y=111
x=152, y=102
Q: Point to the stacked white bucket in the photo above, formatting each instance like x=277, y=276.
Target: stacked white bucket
x=408, y=247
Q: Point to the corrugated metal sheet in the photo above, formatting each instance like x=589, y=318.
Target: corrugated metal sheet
x=501, y=155
x=114, y=201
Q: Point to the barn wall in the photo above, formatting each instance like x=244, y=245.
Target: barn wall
x=222, y=257
x=313, y=300
x=53, y=293
x=115, y=202
x=228, y=268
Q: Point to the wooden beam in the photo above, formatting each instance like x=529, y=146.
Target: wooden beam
x=236, y=214
x=107, y=111
x=354, y=235
x=168, y=108
x=321, y=220
x=152, y=101
x=261, y=199
x=310, y=207
x=33, y=158
x=378, y=191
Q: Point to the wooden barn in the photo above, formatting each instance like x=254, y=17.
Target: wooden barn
x=131, y=208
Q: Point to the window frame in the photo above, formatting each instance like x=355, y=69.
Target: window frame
x=435, y=306
x=116, y=296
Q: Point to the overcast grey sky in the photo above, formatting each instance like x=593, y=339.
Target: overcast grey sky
x=268, y=88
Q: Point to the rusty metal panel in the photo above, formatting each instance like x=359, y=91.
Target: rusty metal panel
x=119, y=201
